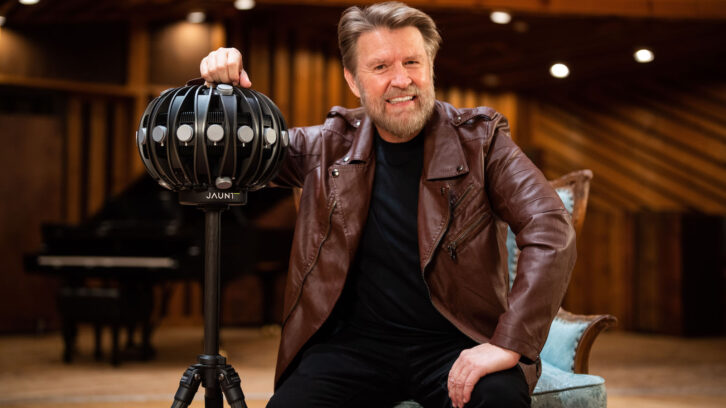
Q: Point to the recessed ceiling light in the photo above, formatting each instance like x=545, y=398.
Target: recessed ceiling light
x=644, y=55
x=500, y=17
x=559, y=70
x=196, y=17
x=28, y=2
x=244, y=4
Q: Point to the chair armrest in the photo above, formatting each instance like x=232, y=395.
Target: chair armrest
x=571, y=337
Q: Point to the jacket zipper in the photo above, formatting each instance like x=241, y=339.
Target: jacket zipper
x=312, y=264
x=461, y=199
x=464, y=235
x=436, y=244
x=426, y=264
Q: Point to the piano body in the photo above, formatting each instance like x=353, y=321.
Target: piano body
x=116, y=267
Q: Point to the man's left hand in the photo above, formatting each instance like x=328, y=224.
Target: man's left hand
x=473, y=364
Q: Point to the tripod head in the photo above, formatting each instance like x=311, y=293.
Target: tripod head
x=212, y=144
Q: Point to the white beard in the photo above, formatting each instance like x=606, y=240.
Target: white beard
x=411, y=122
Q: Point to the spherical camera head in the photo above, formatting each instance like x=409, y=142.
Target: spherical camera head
x=212, y=144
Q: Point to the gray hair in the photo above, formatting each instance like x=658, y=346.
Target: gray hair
x=356, y=21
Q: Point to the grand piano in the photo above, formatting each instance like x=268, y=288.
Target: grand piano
x=116, y=266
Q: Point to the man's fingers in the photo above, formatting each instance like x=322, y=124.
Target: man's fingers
x=204, y=70
x=451, y=383
x=220, y=67
x=457, y=375
x=244, y=79
x=452, y=391
x=469, y=384
x=233, y=65
x=224, y=66
x=211, y=62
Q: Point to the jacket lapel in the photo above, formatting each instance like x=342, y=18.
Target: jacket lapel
x=443, y=159
x=351, y=182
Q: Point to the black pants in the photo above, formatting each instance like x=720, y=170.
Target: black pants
x=354, y=370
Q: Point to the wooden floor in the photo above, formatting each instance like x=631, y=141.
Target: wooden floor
x=641, y=371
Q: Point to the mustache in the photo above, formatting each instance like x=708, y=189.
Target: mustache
x=395, y=93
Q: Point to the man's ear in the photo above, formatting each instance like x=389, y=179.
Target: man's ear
x=350, y=79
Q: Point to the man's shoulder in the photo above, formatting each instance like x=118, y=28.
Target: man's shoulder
x=465, y=116
x=340, y=119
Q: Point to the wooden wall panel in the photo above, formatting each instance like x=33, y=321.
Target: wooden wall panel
x=302, y=82
x=123, y=147
x=73, y=152
x=601, y=280
x=658, y=153
x=176, y=50
x=97, y=156
x=282, y=75
x=657, y=285
x=99, y=151
x=259, y=52
x=30, y=195
x=336, y=86
x=653, y=147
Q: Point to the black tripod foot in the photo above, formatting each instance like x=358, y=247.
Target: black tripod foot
x=231, y=386
x=188, y=386
x=212, y=373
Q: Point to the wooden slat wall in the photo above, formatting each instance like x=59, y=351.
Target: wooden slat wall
x=31, y=194
x=98, y=154
x=653, y=146
x=657, y=150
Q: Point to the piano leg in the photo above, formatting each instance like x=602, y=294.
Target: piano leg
x=147, y=352
x=115, y=357
x=130, y=332
x=98, y=333
x=70, y=332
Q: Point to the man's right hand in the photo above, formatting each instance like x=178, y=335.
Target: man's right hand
x=224, y=66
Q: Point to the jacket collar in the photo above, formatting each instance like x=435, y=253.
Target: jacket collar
x=443, y=153
x=361, y=147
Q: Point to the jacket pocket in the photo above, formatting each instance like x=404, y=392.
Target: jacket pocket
x=469, y=230
x=458, y=204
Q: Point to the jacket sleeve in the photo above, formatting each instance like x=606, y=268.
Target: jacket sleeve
x=523, y=198
x=303, y=155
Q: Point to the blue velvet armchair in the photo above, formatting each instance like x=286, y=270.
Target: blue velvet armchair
x=565, y=382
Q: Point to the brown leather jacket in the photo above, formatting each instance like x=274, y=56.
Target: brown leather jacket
x=475, y=181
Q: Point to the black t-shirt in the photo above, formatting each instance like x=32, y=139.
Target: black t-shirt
x=386, y=294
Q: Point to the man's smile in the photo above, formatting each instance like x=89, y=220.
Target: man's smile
x=401, y=99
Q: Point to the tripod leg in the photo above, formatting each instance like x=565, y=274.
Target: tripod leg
x=188, y=386
x=230, y=382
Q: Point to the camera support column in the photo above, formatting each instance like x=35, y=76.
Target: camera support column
x=211, y=371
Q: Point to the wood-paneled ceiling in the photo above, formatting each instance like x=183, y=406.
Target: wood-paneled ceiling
x=595, y=38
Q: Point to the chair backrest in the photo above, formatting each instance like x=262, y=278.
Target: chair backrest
x=573, y=189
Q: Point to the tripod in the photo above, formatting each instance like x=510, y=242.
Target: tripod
x=211, y=370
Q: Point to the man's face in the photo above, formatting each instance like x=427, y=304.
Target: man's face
x=394, y=81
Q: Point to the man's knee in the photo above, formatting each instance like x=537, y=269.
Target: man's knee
x=506, y=389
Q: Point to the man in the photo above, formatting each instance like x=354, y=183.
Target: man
x=398, y=287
